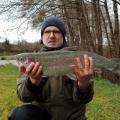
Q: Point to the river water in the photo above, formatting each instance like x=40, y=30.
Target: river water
x=5, y=62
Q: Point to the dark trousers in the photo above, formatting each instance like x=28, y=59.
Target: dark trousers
x=29, y=112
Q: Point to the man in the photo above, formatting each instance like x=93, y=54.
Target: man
x=54, y=98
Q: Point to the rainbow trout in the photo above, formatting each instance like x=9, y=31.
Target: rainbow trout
x=59, y=62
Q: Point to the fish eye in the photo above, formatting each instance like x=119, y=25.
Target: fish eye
x=21, y=59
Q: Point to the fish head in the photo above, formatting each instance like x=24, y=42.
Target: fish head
x=24, y=59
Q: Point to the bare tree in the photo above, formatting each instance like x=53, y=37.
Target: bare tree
x=116, y=39
x=88, y=23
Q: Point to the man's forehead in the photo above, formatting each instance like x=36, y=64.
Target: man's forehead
x=51, y=28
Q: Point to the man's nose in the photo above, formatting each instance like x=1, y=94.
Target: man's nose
x=52, y=34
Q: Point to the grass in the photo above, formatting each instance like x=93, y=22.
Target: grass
x=106, y=102
x=8, y=99
x=104, y=106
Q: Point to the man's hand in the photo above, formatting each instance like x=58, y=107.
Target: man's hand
x=84, y=71
x=34, y=71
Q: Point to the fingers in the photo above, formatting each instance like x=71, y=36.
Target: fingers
x=86, y=62
x=40, y=70
x=79, y=64
x=91, y=65
x=34, y=70
x=85, y=66
x=83, y=70
x=22, y=69
x=30, y=68
x=78, y=67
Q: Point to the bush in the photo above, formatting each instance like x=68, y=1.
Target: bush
x=3, y=58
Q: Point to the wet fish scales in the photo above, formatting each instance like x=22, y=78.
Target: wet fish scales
x=59, y=62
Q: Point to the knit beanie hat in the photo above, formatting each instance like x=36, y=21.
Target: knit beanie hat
x=54, y=21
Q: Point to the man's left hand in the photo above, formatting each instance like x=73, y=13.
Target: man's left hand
x=83, y=71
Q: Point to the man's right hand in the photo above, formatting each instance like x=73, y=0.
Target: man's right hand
x=33, y=71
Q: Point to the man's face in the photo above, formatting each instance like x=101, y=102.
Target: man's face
x=52, y=37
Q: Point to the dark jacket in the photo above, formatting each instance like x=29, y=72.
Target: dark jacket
x=59, y=95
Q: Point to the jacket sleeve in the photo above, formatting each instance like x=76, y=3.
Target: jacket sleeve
x=26, y=91
x=83, y=96
x=80, y=95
